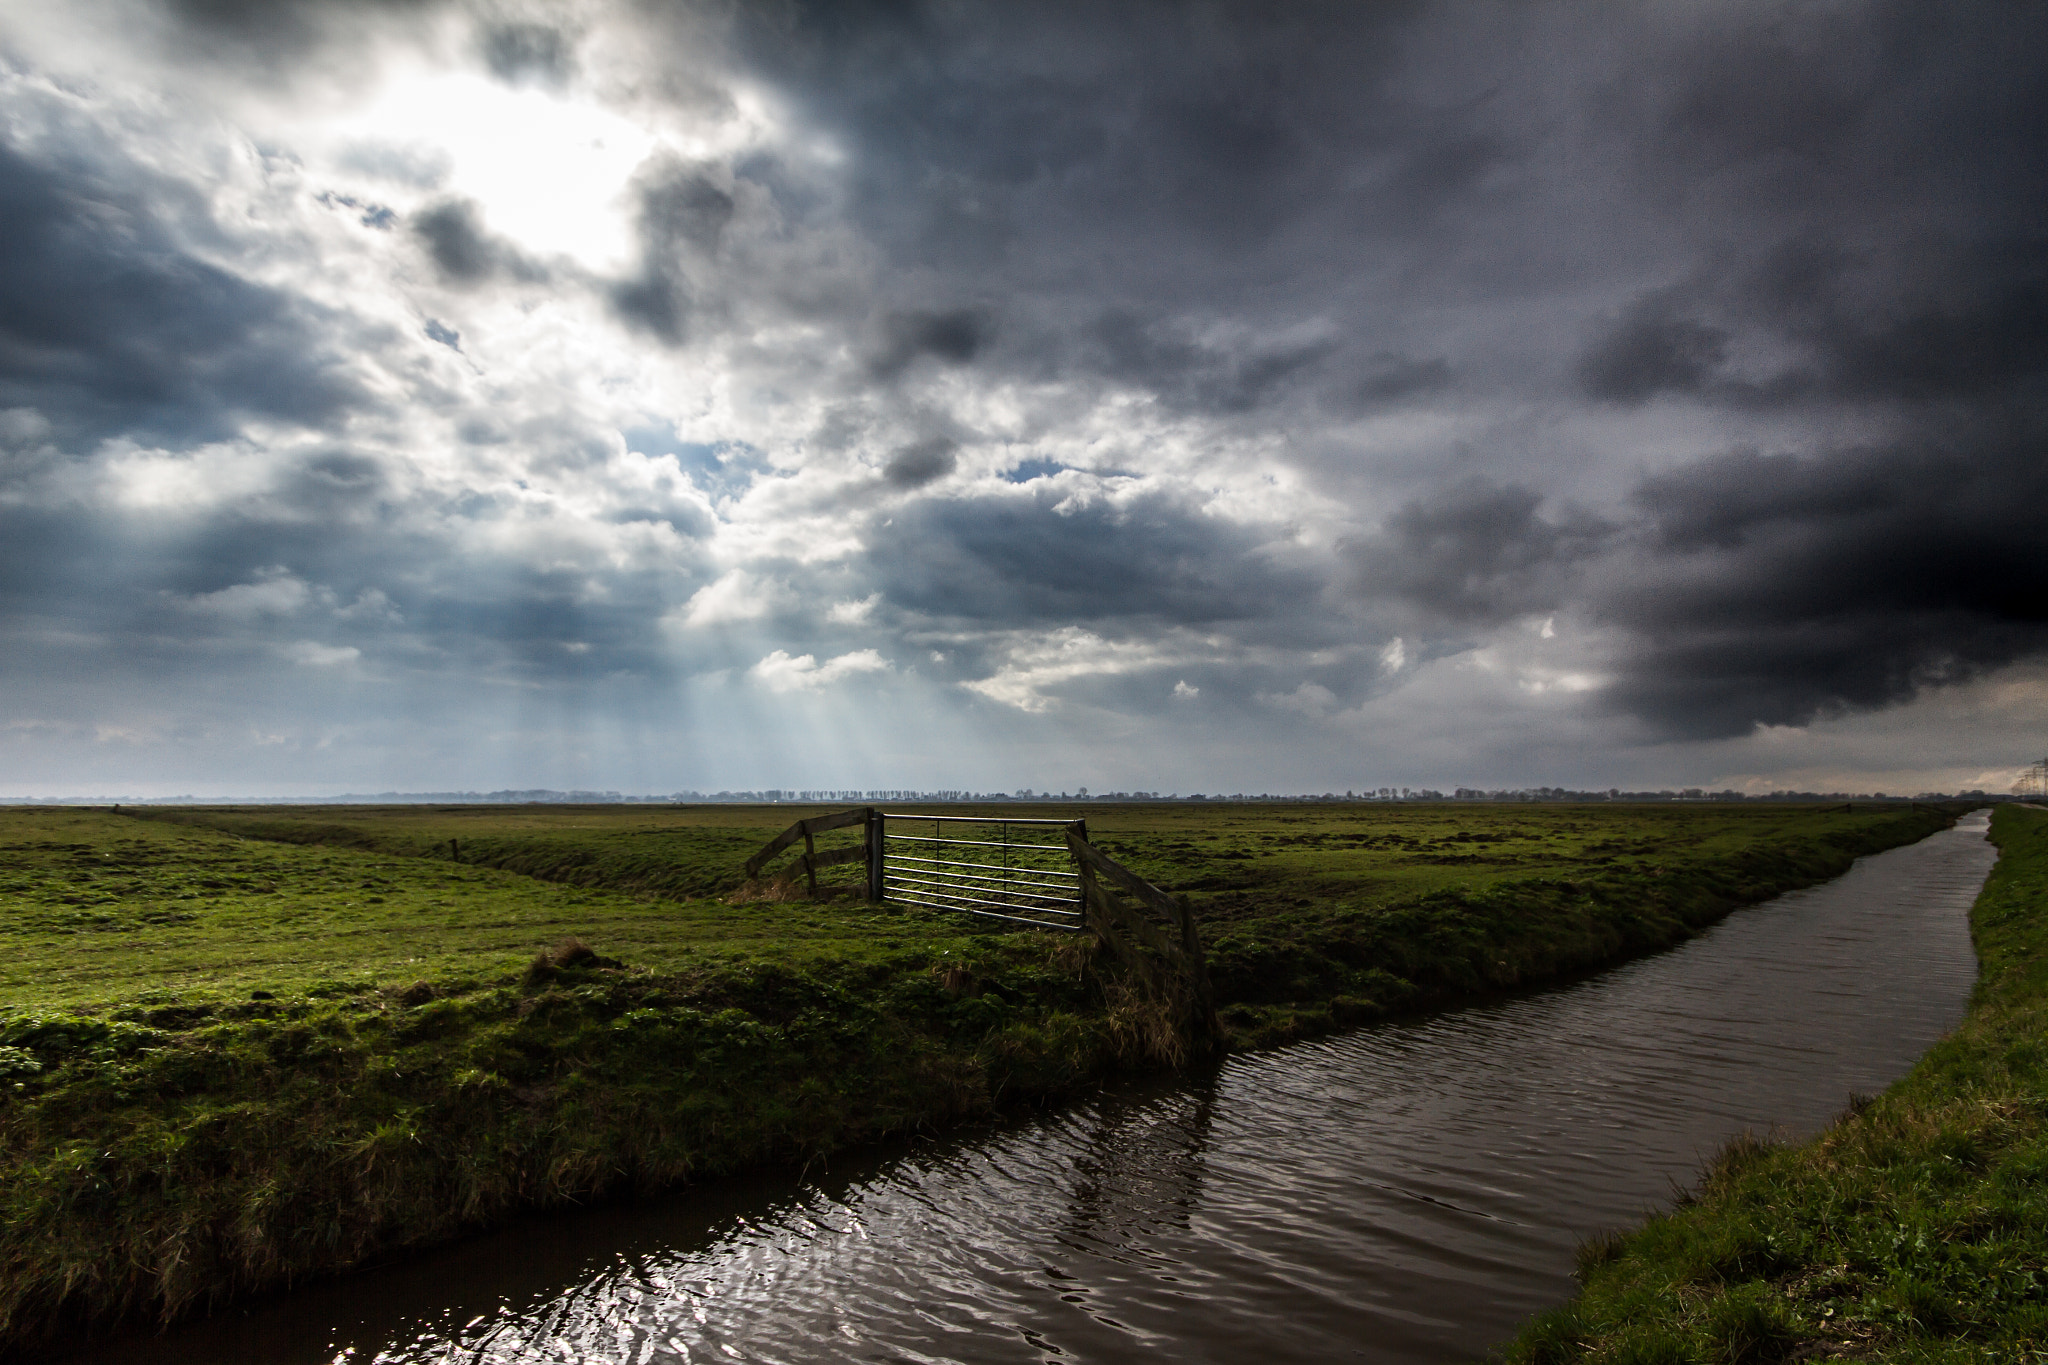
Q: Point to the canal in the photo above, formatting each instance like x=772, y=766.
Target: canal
x=1402, y=1193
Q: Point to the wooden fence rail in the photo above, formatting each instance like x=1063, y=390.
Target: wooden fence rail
x=1014, y=880
x=814, y=862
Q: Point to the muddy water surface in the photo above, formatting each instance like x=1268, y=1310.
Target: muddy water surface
x=1403, y=1193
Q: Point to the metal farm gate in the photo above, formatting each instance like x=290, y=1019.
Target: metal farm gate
x=998, y=867
x=1041, y=873
x=1026, y=872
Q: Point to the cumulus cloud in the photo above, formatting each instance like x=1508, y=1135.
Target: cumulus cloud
x=313, y=654
x=1034, y=669
x=1477, y=552
x=1651, y=383
x=276, y=594
x=778, y=672
x=735, y=596
x=916, y=465
x=852, y=612
x=111, y=322
x=1308, y=699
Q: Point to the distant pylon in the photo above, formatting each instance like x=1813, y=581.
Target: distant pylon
x=2033, y=781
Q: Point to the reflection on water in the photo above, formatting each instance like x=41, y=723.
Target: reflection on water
x=1408, y=1192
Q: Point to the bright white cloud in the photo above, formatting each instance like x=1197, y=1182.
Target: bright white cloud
x=313, y=654
x=549, y=170
x=1309, y=699
x=778, y=672
x=1038, y=664
x=735, y=596
x=277, y=594
x=851, y=613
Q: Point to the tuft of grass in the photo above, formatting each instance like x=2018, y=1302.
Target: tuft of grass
x=1915, y=1228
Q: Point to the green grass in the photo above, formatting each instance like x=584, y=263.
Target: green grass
x=1234, y=861
x=102, y=909
x=1315, y=916
x=229, y=1061
x=1914, y=1229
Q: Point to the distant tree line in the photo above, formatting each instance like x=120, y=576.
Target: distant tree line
x=2034, y=784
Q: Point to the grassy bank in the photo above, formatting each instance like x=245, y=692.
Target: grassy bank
x=229, y=1061
x=1914, y=1229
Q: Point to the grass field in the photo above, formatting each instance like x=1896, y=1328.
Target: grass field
x=240, y=1046
x=384, y=896
x=1914, y=1229
x=105, y=910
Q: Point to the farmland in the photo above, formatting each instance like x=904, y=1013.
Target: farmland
x=422, y=890
x=244, y=1045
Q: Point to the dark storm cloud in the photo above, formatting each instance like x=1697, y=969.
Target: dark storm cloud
x=1477, y=553
x=952, y=337
x=1388, y=378
x=1652, y=352
x=333, y=555
x=917, y=465
x=1909, y=325
x=1014, y=562
x=1196, y=375
x=682, y=212
x=1815, y=213
x=1966, y=326
x=107, y=323
x=464, y=250
x=1113, y=148
x=1774, y=589
x=535, y=53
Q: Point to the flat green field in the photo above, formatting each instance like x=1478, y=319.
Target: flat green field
x=100, y=908
x=241, y=1046
x=1301, y=905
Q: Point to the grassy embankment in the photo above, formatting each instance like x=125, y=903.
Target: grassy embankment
x=1913, y=1229
x=228, y=1061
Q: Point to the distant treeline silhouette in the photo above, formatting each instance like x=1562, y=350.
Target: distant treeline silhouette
x=778, y=795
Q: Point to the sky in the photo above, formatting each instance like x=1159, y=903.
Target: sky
x=1164, y=396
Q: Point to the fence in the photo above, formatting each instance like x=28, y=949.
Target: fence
x=1018, y=870
x=1013, y=876
x=1042, y=873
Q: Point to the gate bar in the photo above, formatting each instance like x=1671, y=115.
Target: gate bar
x=1069, y=877
x=1037, y=900
x=978, y=843
x=976, y=819
x=1050, y=906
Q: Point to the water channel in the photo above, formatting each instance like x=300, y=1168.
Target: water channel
x=1402, y=1193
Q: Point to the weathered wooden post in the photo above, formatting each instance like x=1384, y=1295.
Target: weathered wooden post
x=876, y=832
x=1171, y=965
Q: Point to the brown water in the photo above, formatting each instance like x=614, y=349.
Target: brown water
x=1407, y=1192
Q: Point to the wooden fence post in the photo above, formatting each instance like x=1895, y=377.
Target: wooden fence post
x=876, y=833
